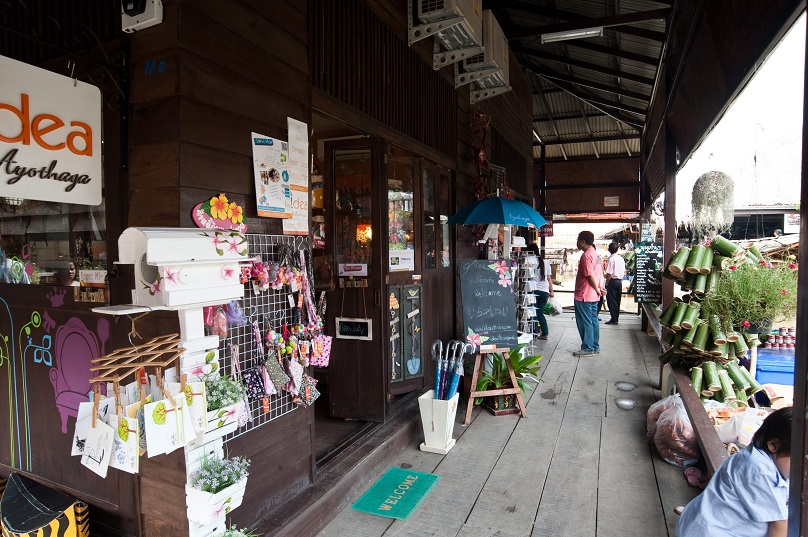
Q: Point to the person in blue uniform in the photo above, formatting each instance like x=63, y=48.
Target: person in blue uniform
x=748, y=495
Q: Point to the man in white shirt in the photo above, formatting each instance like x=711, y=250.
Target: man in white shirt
x=615, y=270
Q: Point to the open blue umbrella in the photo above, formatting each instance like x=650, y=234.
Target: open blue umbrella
x=498, y=210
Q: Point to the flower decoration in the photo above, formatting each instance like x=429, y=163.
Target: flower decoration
x=476, y=339
x=219, y=207
x=746, y=324
x=732, y=267
x=235, y=213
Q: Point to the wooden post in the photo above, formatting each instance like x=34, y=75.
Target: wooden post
x=515, y=390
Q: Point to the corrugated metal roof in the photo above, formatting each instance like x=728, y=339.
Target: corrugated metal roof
x=596, y=87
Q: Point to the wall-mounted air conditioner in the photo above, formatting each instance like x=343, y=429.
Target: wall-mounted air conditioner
x=487, y=71
x=456, y=26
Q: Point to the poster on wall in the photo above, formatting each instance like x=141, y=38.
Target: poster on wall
x=270, y=159
x=298, y=166
x=50, y=136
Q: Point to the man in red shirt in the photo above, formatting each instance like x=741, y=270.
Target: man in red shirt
x=588, y=290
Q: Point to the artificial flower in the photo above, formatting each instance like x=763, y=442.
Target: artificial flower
x=219, y=206
x=746, y=324
x=236, y=213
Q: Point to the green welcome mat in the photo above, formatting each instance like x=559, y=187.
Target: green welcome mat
x=396, y=494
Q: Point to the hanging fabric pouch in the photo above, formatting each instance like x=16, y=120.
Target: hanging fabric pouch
x=295, y=371
x=276, y=373
x=308, y=392
x=321, y=350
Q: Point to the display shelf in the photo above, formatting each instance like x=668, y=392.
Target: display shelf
x=524, y=272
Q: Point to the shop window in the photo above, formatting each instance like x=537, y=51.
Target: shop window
x=354, y=232
x=400, y=211
x=428, y=176
x=50, y=243
x=443, y=204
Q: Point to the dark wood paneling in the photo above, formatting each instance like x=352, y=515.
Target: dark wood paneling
x=162, y=482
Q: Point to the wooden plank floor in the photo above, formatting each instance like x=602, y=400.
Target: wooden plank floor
x=578, y=465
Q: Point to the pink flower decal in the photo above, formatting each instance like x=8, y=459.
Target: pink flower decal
x=170, y=275
x=504, y=281
x=474, y=339
x=227, y=272
x=233, y=246
x=155, y=287
x=217, y=240
x=198, y=371
x=502, y=267
x=746, y=324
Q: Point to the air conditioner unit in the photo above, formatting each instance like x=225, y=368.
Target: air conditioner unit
x=494, y=55
x=455, y=24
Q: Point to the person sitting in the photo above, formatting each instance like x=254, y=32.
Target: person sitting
x=748, y=495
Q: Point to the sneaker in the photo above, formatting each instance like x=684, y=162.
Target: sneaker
x=597, y=351
x=610, y=322
x=583, y=353
x=543, y=337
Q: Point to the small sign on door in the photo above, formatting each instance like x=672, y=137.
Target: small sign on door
x=611, y=201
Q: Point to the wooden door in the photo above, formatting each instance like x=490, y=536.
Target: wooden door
x=356, y=373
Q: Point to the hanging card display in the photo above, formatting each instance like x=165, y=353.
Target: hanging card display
x=84, y=422
x=98, y=448
x=125, y=447
x=135, y=412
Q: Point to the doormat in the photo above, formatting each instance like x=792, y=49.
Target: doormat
x=396, y=494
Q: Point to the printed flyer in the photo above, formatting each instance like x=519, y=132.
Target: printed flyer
x=298, y=166
x=272, y=192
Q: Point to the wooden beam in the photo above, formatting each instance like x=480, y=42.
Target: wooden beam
x=605, y=22
x=588, y=66
x=549, y=73
x=609, y=138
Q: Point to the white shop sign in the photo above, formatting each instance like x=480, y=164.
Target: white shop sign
x=50, y=136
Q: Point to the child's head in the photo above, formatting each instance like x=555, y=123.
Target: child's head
x=774, y=437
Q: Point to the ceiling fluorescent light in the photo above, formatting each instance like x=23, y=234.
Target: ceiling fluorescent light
x=571, y=34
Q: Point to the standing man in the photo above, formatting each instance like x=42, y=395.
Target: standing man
x=615, y=270
x=588, y=290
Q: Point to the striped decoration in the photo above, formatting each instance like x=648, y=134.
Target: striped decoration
x=74, y=522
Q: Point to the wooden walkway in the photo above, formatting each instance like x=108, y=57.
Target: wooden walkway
x=578, y=465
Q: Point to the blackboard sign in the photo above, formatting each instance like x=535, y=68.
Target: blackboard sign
x=647, y=270
x=489, y=307
x=354, y=328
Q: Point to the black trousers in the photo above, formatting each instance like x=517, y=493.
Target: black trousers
x=614, y=291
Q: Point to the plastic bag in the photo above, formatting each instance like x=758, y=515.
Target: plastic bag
x=674, y=437
x=654, y=412
x=555, y=306
x=741, y=427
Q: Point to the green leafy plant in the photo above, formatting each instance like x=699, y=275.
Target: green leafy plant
x=754, y=293
x=217, y=474
x=499, y=377
x=223, y=391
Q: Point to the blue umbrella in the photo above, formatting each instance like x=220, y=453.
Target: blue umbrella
x=498, y=210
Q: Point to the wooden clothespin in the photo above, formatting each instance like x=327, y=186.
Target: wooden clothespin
x=159, y=375
x=96, y=400
x=118, y=406
x=142, y=398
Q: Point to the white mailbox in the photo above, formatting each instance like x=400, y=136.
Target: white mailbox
x=183, y=267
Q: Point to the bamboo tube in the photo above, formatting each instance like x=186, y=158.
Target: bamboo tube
x=730, y=350
x=715, y=327
x=755, y=251
x=752, y=340
x=734, y=372
x=740, y=395
x=741, y=347
x=690, y=316
x=712, y=280
x=676, y=264
x=722, y=261
x=726, y=385
x=717, y=349
x=704, y=399
x=711, y=376
x=706, y=261
x=666, y=316
x=755, y=385
x=700, y=340
x=669, y=336
x=696, y=375
x=733, y=336
x=690, y=282
x=693, y=265
x=725, y=247
x=666, y=356
x=718, y=396
x=676, y=359
x=687, y=341
x=751, y=256
x=707, y=393
x=677, y=339
x=676, y=323
x=700, y=284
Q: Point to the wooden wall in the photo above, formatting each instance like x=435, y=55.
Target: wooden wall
x=592, y=181
x=200, y=83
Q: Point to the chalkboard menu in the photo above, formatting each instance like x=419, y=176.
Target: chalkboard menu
x=489, y=307
x=648, y=277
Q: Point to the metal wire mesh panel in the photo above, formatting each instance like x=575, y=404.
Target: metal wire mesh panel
x=271, y=310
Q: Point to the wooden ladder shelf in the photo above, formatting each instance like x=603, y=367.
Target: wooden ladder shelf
x=479, y=362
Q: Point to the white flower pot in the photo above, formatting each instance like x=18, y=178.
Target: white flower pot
x=204, y=507
x=221, y=421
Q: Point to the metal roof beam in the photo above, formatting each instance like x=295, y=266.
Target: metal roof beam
x=558, y=117
x=548, y=73
x=600, y=104
x=588, y=66
x=616, y=52
x=578, y=22
x=610, y=138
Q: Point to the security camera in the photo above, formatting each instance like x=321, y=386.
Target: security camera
x=133, y=7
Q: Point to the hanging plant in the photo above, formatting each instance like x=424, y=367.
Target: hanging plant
x=713, y=202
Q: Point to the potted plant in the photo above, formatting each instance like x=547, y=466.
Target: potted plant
x=753, y=295
x=216, y=488
x=233, y=531
x=499, y=377
x=224, y=396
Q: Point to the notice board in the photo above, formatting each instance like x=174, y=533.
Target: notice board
x=647, y=269
x=489, y=307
